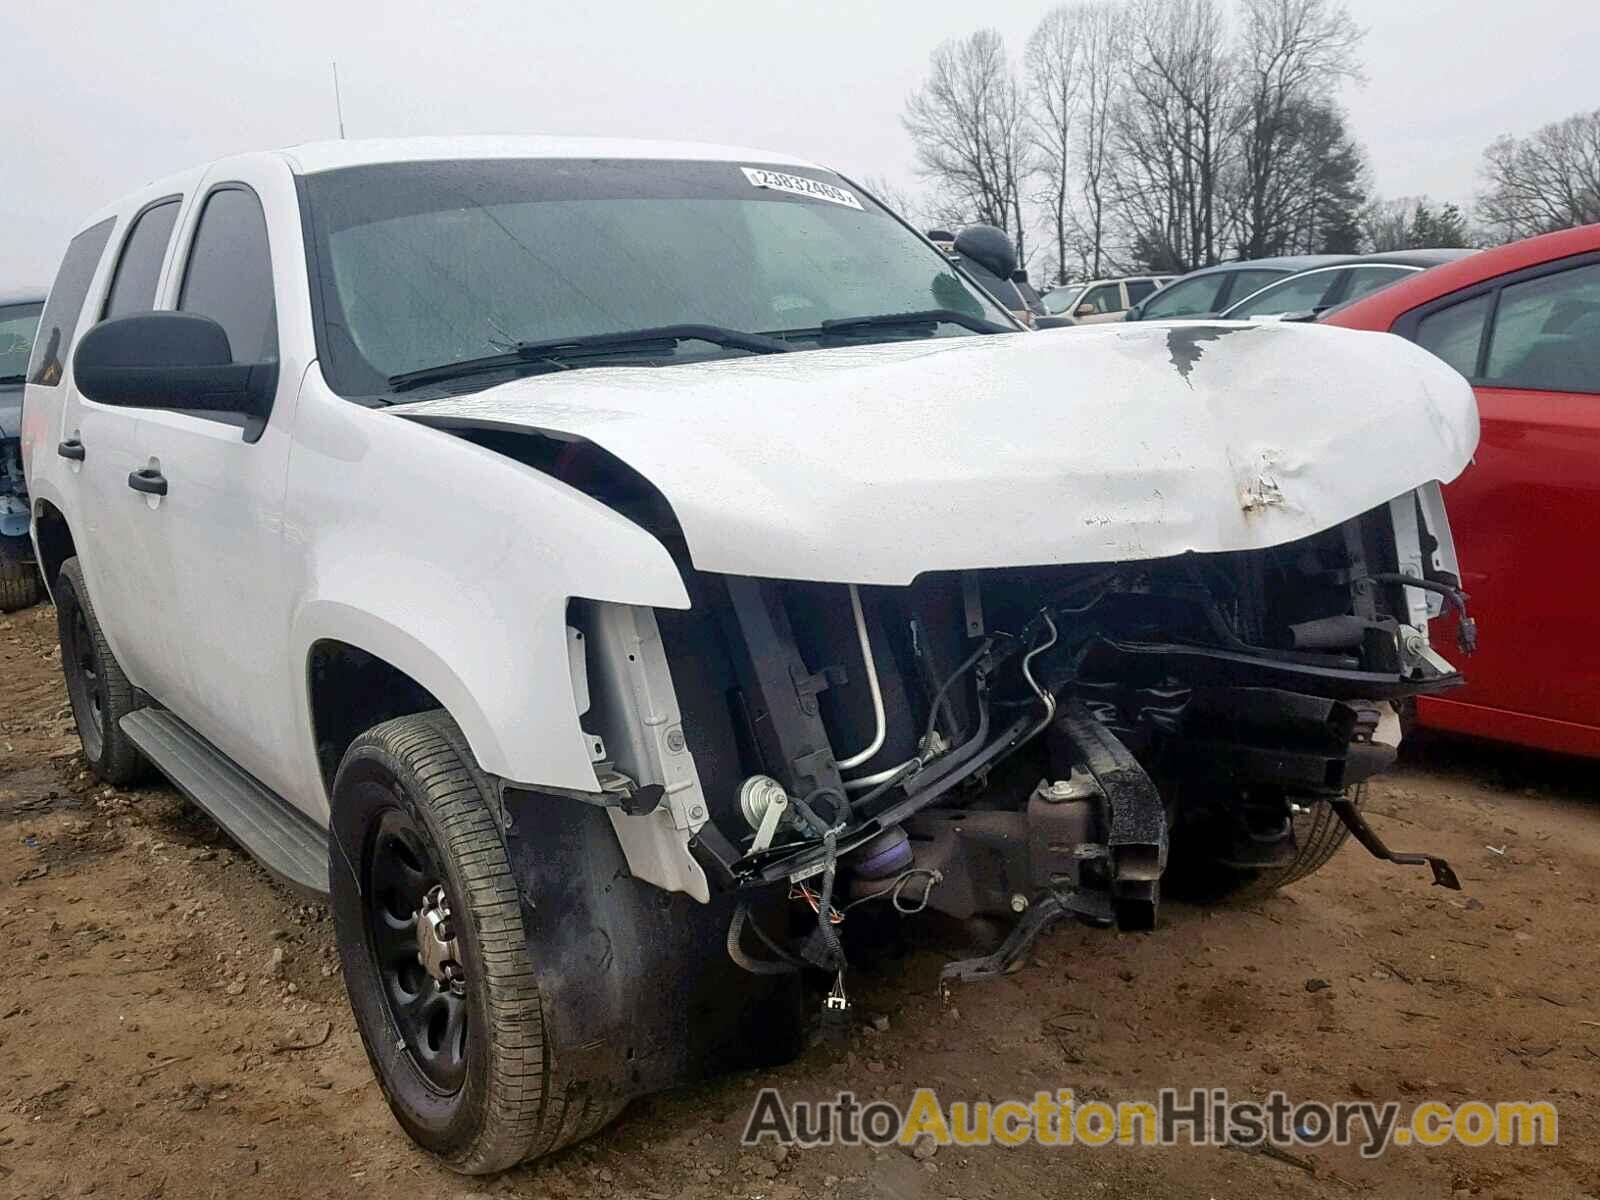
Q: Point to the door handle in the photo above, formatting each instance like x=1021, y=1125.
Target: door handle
x=148, y=480
x=71, y=448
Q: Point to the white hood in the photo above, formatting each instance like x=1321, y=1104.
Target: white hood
x=873, y=464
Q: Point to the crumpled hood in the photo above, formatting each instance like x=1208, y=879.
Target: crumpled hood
x=873, y=464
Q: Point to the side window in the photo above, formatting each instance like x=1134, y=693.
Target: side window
x=229, y=274
x=1455, y=333
x=1546, y=334
x=133, y=286
x=1299, y=293
x=1246, y=283
x=1107, y=298
x=1187, y=298
x=1138, y=289
x=54, y=339
x=1366, y=280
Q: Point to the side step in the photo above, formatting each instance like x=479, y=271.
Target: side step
x=284, y=840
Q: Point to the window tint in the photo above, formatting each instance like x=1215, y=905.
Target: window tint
x=1546, y=334
x=229, y=276
x=1366, y=280
x=133, y=287
x=17, y=325
x=1138, y=289
x=1107, y=298
x=54, y=339
x=1246, y=283
x=1186, y=298
x=1455, y=333
x=1299, y=293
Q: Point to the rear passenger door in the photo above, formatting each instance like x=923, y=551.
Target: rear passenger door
x=100, y=447
x=1524, y=515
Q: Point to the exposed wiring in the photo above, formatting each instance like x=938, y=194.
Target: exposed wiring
x=784, y=964
x=934, y=877
x=880, y=721
x=877, y=777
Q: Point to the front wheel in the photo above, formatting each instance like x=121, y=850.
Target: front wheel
x=430, y=932
x=1207, y=866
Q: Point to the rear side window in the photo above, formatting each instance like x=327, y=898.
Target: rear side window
x=1546, y=334
x=1138, y=289
x=54, y=339
x=229, y=276
x=1300, y=293
x=1187, y=298
x=133, y=287
x=1456, y=333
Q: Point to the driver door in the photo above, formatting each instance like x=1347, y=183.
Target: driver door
x=213, y=540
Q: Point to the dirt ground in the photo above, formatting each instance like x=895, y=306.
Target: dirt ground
x=172, y=1024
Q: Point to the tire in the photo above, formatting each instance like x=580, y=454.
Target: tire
x=476, y=1085
x=100, y=693
x=19, y=583
x=1198, y=876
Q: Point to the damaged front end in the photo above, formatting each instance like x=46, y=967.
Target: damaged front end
x=1019, y=743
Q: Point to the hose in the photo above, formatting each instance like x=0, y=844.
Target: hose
x=784, y=964
x=879, y=719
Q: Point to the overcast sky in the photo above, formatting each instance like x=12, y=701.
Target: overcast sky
x=97, y=98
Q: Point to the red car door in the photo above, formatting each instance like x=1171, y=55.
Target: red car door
x=1526, y=515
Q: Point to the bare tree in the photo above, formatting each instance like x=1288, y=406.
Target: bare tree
x=1103, y=54
x=1292, y=55
x=1174, y=133
x=969, y=127
x=897, y=198
x=1549, y=180
x=1053, y=64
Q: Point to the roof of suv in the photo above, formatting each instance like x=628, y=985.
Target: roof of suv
x=312, y=157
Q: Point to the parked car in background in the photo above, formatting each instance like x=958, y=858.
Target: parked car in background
x=1319, y=289
x=1522, y=323
x=1209, y=290
x=1102, y=300
x=19, y=318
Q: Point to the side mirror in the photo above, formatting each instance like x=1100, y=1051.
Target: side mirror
x=1133, y=313
x=990, y=247
x=1084, y=310
x=171, y=360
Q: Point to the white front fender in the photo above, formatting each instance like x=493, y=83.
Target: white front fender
x=455, y=565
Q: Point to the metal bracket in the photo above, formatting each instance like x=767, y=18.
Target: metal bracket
x=1044, y=912
x=1346, y=810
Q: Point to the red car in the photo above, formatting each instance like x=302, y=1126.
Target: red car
x=1522, y=323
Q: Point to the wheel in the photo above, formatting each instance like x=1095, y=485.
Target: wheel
x=430, y=932
x=19, y=583
x=100, y=693
x=1203, y=872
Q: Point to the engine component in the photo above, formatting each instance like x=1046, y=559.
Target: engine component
x=764, y=803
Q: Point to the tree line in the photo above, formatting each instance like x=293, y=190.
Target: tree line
x=1166, y=135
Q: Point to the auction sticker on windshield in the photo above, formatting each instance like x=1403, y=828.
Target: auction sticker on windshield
x=800, y=186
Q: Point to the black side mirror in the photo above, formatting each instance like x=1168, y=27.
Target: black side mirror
x=172, y=360
x=990, y=247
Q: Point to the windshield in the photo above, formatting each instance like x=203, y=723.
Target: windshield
x=417, y=265
x=17, y=325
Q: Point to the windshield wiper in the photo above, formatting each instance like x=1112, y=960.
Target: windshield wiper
x=927, y=316
x=570, y=352
x=13, y=379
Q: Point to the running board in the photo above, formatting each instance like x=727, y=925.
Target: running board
x=285, y=841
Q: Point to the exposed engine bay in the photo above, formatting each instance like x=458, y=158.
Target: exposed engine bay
x=1023, y=743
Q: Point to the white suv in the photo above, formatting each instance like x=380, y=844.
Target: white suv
x=1102, y=300
x=592, y=648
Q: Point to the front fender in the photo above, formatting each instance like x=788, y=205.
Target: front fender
x=455, y=565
